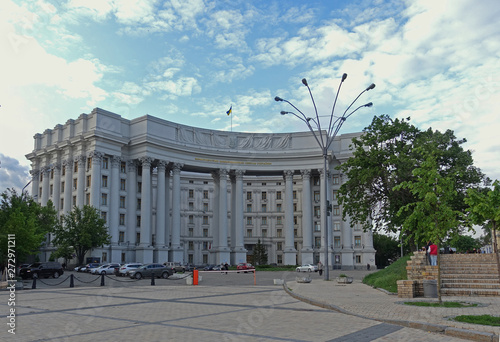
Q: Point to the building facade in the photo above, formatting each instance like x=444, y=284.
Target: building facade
x=172, y=192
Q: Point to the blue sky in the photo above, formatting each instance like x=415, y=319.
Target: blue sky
x=188, y=61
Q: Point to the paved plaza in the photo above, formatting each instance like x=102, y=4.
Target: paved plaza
x=225, y=308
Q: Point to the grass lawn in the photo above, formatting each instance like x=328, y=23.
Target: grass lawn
x=442, y=304
x=387, y=278
x=479, y=319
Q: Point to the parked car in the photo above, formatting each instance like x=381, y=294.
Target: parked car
x=89, y=267
x=42, y=270
x=245, y=267
x=20, y=267
x=208, y=268
x=307, y=268
x=125, y=269
x=147, y=270
x=105, y=269
x=176, y=266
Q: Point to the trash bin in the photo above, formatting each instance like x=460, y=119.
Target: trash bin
x=430, y=288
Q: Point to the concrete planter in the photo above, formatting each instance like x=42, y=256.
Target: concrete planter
x=303, y=280
x=344, y=280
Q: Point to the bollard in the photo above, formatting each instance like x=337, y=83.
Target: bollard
x=71, y=281
x=33, y=285
x=152, y=279
x=195, y=277
x=102, y=279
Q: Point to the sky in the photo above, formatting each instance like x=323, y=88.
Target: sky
x=189, y=61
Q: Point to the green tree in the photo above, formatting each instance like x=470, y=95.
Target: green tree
x=385, y=156
x=81, y=230
x=464, y=243
x=21, y=215
x=388, y=249
x=259, y=254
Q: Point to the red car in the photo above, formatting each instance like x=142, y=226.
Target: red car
x=245, y=267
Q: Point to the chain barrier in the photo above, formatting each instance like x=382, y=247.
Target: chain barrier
x=122, y=281
x=40, y=280
x=87, y=282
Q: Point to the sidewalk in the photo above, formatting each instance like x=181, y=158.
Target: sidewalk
x=364, y=301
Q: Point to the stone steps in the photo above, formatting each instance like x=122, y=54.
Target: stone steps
x=469, y=292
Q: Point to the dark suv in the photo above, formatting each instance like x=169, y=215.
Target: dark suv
x=42, y=270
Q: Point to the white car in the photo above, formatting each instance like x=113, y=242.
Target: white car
x=125, y=269
x=105, y=269
x=307, y=268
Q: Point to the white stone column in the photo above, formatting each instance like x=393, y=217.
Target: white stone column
x=114, y=205
x=35, y=184
x=214, y=250
x=224, y=251
x=56, y=196
x=131, y=219
x=144, y=252
x=45, y=185
x=307, y=218
x=289, y=251
x=239, y=253
x=95, y=181
x=80, y=186
x=177, y=252
x=161, y=252
x=68, y=185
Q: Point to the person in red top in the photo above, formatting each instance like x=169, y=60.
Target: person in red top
x=433, y=253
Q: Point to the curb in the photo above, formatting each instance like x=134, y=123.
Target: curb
x=429, y=327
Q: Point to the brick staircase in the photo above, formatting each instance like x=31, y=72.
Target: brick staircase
x=469, y=275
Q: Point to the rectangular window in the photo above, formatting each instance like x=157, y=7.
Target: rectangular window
x=205, y=207
x=279, y=233
x=52, y=174
x=335, y=195
x=123, y=167
x=105, y=162
x=122, y=219
x=139, y=203
x=264, y=220
x=191, y=232
x=249, y=232
x=191, y=206
x=264, y=195
x=104, y=199
x=104, y=181
x=104, y=216
x=278, y=207
x=138, y=221
x=317, y=241
x=264, y=208
x=279, y=220
x=278, y=195
x=75, y=167
x=294, y=194
x=358, y=259
x=205, y=231
x=139, y=186
x=336, y=210
x=51, y=189
x=249, y=208
x=295, y=233
x=337, y=259
x=279, y=246
x=205, y=245
x=295, y=220
x=317, y=227
x=264, y=233
x=336, y=225
x=205, y=194
x=279, y=259
x=63, y=170
x=335, y=180
x=249, y=220
x=88, y=183
x=317, y=211
x=74, y=200
x=89, y=164
x=191, y=219
x=137, y=238
x=122, y=202
x=205, y=219
x=317, y=197
x=121, y=237
x=357, y=226
x=316, y=181
x=104, y=256
x=62, y=187
x=295, y=207
x=357, y=241
x=75, y=183
x=191, y=193
x=336, y=242
x=249, y=195
x=62, y=203
x=123, y=183
x=87, y=198
x=190, y=245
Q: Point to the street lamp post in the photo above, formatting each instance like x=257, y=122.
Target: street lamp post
x=324, y=140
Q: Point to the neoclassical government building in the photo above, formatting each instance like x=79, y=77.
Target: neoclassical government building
x=171, y=192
